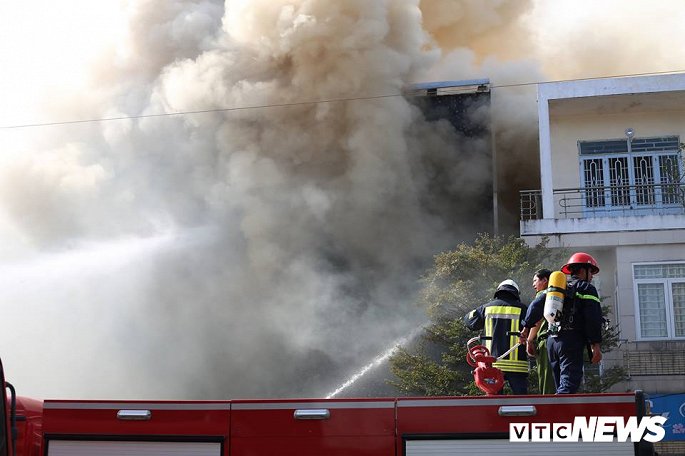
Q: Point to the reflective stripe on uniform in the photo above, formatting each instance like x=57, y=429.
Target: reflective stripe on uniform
x=590, y=297
x=503, y=312
x=512, y=366
x=513, y=314
x=488, y=332
x=514, y=328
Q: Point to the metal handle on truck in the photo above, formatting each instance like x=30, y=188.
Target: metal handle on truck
x=134, y=415
x=312, y=414
x=517, y=410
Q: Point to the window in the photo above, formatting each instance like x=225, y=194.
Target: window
x=641, y=174
x=660, y=300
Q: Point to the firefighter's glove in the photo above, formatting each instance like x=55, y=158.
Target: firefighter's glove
x=596, y=354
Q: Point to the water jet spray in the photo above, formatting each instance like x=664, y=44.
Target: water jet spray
x=377, y=361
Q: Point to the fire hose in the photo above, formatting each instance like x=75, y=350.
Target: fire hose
x=487, y=377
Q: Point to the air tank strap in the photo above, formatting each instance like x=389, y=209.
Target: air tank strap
x=552, y=288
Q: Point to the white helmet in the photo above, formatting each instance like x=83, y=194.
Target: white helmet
x=508, y=285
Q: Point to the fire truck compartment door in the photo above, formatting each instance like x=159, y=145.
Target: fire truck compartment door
x=345, y=427
x=505, y=447
x=129, y=448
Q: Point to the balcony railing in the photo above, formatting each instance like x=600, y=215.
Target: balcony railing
x=531, y=204
x=614, y=201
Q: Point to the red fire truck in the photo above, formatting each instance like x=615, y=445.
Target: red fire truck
x=306, y=427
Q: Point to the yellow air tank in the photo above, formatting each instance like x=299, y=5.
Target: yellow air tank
x=554, y=301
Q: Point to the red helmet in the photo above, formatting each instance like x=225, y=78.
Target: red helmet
x=581, y=258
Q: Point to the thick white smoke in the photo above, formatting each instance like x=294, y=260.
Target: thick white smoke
x=309, y=223
x=243, y=251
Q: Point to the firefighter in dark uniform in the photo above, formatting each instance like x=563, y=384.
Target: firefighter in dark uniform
x=580, y=325
x=534, y=334
x=501, y=319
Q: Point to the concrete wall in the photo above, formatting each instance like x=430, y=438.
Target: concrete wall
x=653, y=384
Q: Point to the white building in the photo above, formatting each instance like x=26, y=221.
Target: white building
x=612, y=185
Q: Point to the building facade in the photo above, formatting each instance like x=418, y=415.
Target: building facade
x=612, y=184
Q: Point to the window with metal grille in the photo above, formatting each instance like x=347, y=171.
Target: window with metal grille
x=619, y=181
x=660, y=300
x=669, y=170
x=644, y=173
x=594, y=182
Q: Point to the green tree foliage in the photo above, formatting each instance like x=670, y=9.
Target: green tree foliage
x=459, y=281
x=466, y=277
x=437, y=367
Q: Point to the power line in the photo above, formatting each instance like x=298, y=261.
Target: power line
x=309, y=102
x=200, y=111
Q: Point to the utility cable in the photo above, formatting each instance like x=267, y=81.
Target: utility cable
x=309, y=102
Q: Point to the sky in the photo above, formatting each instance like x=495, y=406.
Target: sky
x=253, y=252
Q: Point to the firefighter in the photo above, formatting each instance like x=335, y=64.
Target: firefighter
x=580, y=325
x=534, y=334
x=501, y=319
